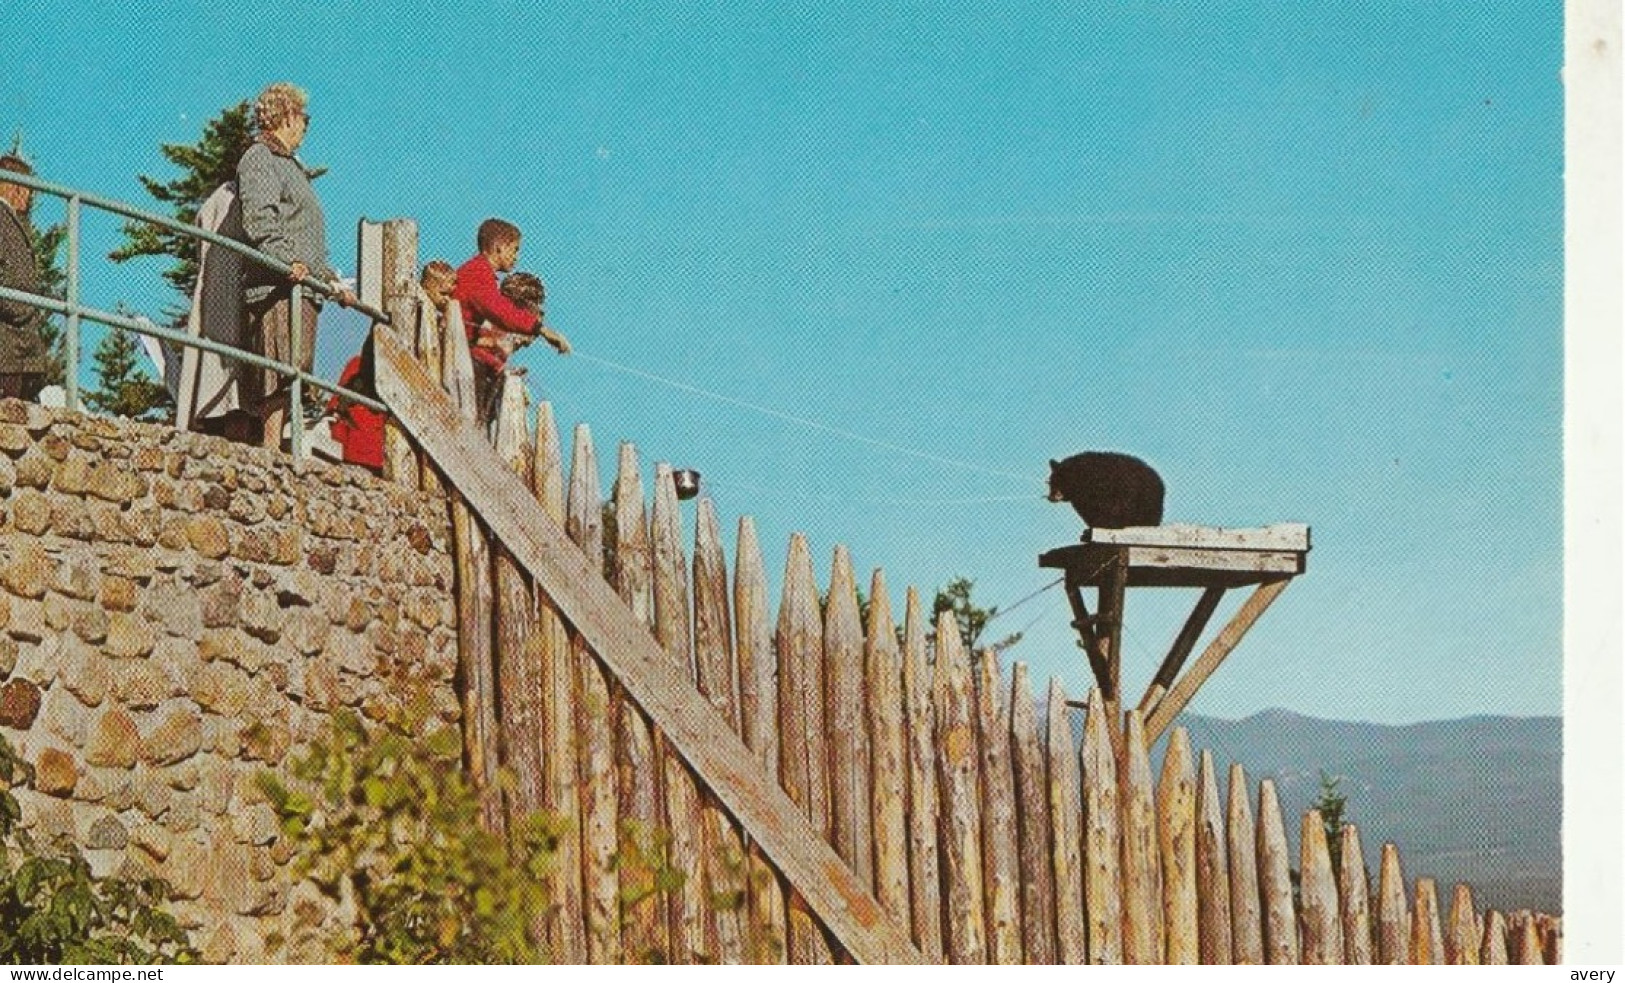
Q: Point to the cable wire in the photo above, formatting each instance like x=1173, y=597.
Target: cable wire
x=801, y=420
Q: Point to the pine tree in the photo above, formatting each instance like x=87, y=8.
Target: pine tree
x=205, y=166
x=53, y=280
x=122, y=388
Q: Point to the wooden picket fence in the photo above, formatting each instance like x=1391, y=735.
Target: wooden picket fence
x=967, y=822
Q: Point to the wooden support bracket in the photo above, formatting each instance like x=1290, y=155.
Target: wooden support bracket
x=1251, y=610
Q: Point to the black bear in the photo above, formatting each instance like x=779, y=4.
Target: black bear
x=1108, y=490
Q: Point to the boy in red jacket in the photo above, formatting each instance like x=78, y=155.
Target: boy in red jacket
x=482, y=301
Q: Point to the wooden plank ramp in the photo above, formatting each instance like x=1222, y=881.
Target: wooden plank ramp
x=692, y=726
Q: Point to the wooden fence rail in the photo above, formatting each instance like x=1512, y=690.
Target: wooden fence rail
x=831, y=787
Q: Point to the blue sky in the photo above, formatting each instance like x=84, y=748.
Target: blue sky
x=1305, y=259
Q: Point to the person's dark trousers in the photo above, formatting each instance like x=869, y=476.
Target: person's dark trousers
x=21, y=385
x=487, y=392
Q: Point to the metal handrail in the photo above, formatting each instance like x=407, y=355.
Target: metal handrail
x=74, y=310
x=146, y=326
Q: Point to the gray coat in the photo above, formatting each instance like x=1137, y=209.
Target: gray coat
x=22, y=350
x=281, y=216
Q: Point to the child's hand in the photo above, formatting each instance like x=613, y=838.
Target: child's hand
x=560, y=343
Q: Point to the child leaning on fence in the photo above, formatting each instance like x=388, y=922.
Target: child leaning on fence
x=483, y=302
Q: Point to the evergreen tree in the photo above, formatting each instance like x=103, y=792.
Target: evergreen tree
x=205, y=166
x=968, y=615
x=53, y=281
x=122, y=388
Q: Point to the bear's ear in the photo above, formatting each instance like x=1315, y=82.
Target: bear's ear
x=1053, y=464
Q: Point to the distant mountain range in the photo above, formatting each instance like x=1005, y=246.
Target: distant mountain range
x=1476, y=800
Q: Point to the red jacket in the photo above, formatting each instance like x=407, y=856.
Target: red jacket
x=359, y=430
x=480, y=296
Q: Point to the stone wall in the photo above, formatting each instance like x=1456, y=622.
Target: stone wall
x=178, y=614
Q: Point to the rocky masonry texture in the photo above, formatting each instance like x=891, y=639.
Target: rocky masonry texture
x=179, y=614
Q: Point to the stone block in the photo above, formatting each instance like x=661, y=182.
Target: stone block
x=19, y=704
x=8, y=475
x=176, y=738
x=255, y=825
x=55, y=773
x=71, y=519
x=147, y=458
x=143, y=524
x=34, y=470
x=27, y=622
x=152, y=795
x=208, y=536
x=185, y=777
x=107, y=833
x=128, y=637
x=190, y=865
x=31, y=513
x=8, y=656
x=30, y=572
x=84, y=673
x=118, y=593
x=112, y=787
x=57, y=614
x=72, y=474
x=176, y=607
x=136, y=564
x=79, y=576
x=246, y=508
x=14, y=440
x=90, y=624
x=108, y=523
x=220, y=687
x=172, y=533
x=221, y=603
x=266, y=741
x=153, y=840
x=261, y=617
x=307, y=630
x=115, y=741
x=62, y=715
x=113, y=483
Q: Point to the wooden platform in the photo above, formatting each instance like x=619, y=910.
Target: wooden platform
x=1208, y=558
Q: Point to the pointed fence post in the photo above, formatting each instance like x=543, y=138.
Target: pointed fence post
x=1212, y=869
x=518, y=672
x=1102, y=837
x=1035, y=848
x=1322, y=922
x=1461, y=944
x=397, y=296
x=1176, y=847
x=1066, y=822
x=1275, y=882
x=1493, y=952
x=844, y=721
x=964, y=931
x=690, y=919
x=1427, y=948
x=475, y=605
x=587, y=778
x=919, y=722
x=1001, y=873
x=1352, y=889
x=799, y=643
x=639, y=799
x=758, y=705
x=888, y=775
x=1246, y=912
x=725, y=865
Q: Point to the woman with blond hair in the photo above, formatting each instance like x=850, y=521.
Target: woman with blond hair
x=281, y=217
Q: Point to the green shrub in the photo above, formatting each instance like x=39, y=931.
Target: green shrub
x=53, y=910
x=385, y=821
